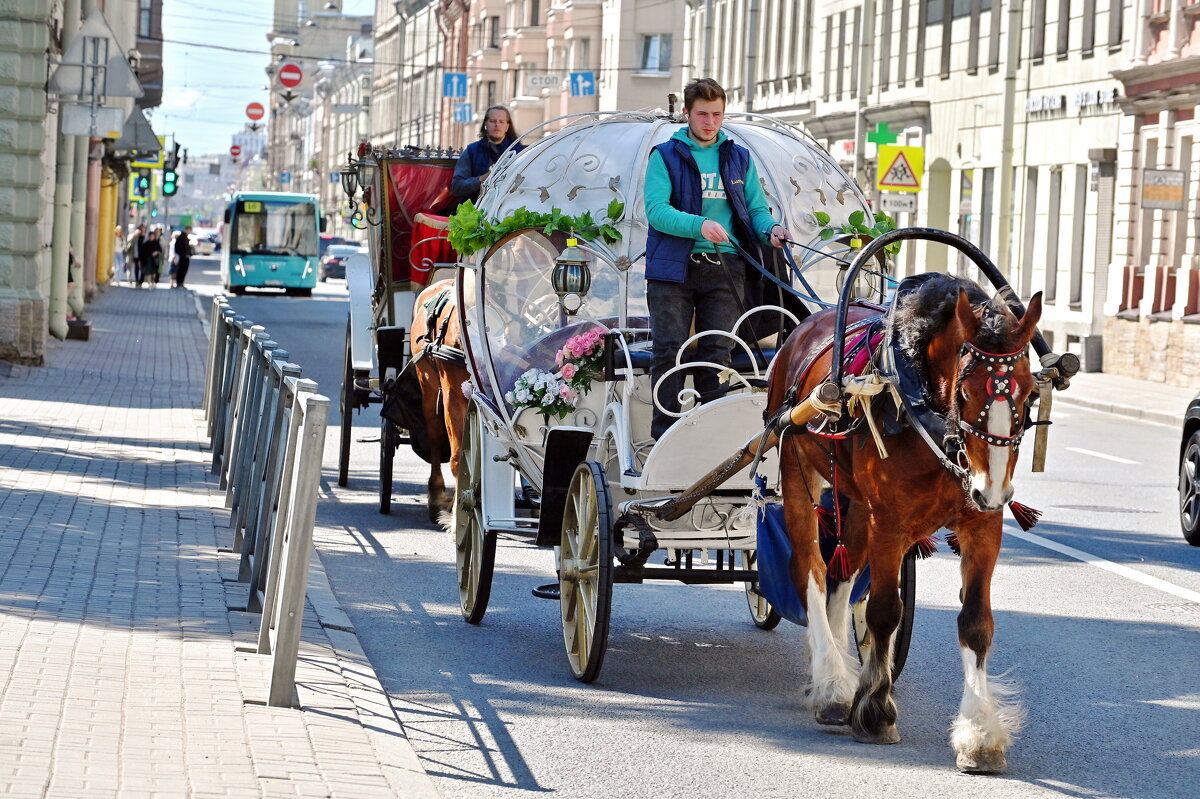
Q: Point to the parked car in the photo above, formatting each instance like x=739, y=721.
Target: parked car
x=333, y=264
x=1189, y=474
x=205, y=241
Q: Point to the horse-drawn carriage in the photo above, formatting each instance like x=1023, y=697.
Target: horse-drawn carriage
x=406, y=196
x=809, y=512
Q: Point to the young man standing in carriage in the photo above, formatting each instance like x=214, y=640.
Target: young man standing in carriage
x=704, y=202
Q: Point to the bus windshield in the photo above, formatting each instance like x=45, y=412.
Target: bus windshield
x=274, y=228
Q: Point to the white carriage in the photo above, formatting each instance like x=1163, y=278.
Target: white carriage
x=592, y=482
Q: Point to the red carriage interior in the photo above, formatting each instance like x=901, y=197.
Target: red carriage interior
x=417, y=186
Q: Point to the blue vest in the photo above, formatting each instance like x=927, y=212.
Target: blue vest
x=481, y=156
x=666, y=255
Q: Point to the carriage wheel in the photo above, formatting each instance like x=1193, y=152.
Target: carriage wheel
x=389, y=440
x=347, y=418
x=908, y=596
x=586, y=570
x=762, y=614
x=475, y=545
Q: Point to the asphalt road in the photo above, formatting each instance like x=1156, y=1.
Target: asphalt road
x=1097, y=620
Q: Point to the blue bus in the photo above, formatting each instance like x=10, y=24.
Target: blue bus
x=271, y=240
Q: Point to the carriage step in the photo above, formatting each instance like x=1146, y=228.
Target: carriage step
x=547, y=591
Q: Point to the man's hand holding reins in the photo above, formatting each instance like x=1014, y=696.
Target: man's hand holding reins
x=779, y=234
x=714, y=232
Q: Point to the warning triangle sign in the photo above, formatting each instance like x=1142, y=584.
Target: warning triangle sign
x=900, y=175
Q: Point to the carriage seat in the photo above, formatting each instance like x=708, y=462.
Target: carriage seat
x=740, y=360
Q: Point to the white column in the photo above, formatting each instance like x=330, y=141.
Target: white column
x=1126, y=208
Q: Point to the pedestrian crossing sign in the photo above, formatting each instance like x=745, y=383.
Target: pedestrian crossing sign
x=899, y=168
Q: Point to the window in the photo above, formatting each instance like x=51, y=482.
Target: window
x=935, y=10
x=1064, y=27
x=656, y=53
x=144, y=14
x=491, y=93
x=535, y=12
x=493, y=32
x=581, y=53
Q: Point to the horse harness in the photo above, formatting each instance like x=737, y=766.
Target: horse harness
x=436, y=346
x=939, y=431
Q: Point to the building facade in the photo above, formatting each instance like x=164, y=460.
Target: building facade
x=1020, y=133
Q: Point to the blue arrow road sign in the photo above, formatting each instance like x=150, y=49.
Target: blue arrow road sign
x=454, y=84
x=583, y=84
x=285, y=177
x=462, y=112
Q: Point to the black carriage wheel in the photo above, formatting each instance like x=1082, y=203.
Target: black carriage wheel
x=347, y=415
x=903, y=637
x=586, y=570
x=762, y=614
x=1189, y=491
x=475, y=545
x=389, y=439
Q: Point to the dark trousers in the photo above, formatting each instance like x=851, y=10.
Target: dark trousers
x=713, y=294
x=137, y=271
x=181, y=270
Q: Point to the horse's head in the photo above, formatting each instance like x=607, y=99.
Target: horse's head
x=985, y=360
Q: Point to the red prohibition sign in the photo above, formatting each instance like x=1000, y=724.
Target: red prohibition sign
x=290, y=75
x=235, y=151
x=255, y=111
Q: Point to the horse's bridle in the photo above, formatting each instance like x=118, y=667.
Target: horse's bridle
x=1000, y=384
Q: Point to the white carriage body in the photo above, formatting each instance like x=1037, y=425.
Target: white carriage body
x=513, y=320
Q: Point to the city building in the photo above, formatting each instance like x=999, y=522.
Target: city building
x=1019, y=135
x=407, y=74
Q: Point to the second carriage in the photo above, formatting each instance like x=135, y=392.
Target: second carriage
x=556, y=442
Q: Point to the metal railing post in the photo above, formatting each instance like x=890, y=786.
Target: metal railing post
x=218, y=426
x=210, y=364
x=297, y=389
x=250, y=417
x=241, y=385
x=261, y=518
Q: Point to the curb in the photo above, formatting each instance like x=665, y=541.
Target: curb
x=1119, y=409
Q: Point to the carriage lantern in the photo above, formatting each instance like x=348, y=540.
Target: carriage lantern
x=366, y=167
x=571, y=278
x=349, y=179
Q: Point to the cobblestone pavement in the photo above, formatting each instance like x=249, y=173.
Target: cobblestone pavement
x=122, y=673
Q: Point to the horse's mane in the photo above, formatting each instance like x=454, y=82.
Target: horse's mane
x=925, y=304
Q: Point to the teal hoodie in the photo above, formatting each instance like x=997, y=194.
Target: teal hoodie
x=662, y=216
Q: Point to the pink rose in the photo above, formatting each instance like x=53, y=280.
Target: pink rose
x=558, y=359
x=568, y=370
x=564, y=391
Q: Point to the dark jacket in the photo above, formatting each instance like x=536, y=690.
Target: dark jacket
x=183, y=246
x=149, y=253
x=666, y=255
x=479, y=157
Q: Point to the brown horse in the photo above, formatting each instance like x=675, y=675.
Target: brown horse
x=971, y=353
x=436, y=340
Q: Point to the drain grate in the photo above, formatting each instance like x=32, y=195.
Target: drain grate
x=1176, y=607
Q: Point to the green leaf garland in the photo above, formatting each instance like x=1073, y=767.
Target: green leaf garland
x=469, y=231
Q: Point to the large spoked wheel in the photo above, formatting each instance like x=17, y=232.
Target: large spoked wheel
x=762, y=614
x=1189, y=491
x=389, y=440
x=908, y=596
x=474, y=544
x=586, y=570
x=347, y=415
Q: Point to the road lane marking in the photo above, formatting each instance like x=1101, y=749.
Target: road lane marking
x=1103, y=455
x=1108, y=565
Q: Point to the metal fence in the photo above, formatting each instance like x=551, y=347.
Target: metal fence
x=267, y=428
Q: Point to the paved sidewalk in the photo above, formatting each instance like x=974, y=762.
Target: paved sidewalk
x=120, y=668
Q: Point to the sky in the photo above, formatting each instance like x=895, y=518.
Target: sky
x=206, y=89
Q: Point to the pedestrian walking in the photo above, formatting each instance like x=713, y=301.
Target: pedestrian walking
x=183, y=255
x=133, y=253
x=118, y=271
x=496, y=135
x=171, y=256
x=703, y=197
x=151, y=255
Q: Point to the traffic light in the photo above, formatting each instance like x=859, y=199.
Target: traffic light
x=170, y=182
x=153, y=212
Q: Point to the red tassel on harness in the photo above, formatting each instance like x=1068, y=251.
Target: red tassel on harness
x=839, y=564
x=952, y=542
x=826, y=521
x=1026, y=516
x=926, y=547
